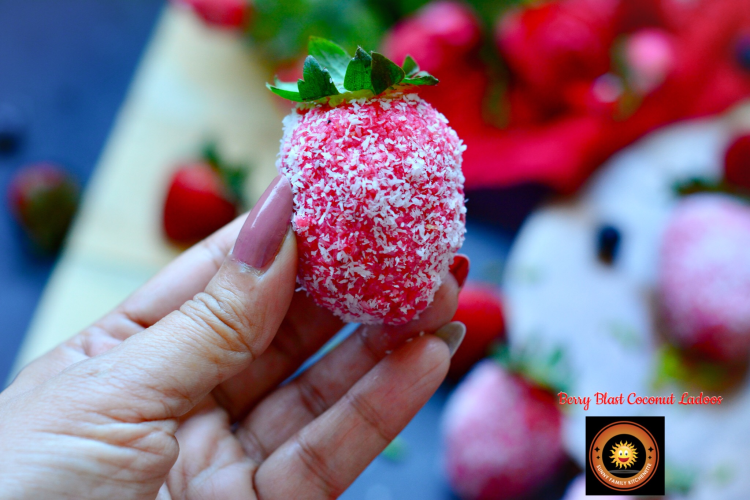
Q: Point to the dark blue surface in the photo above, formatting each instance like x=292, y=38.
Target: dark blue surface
x=66, y=64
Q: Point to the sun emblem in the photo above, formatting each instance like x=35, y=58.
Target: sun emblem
x=623, y=454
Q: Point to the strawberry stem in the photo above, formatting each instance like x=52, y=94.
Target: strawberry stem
x=330, y=71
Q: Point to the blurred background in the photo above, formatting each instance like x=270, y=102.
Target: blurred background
x=607, y=177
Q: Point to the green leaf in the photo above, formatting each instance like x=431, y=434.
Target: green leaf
x=232, y=176
x=385, y=73
x=410, y=66
x=329, y=71
x=287, y=90
x=317, y=83
x=331, y=56
x=289, y=86
x=396, y=451
x=358, y=72
x=421, y=78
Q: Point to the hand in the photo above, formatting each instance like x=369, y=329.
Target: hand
x=177, y=392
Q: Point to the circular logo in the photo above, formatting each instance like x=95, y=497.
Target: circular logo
x=624, y=456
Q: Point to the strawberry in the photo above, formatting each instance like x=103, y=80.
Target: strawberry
x=438, y=35
x=445, y=36
x=549, y=45
x=502, y=436
x=378, y=190
x=704, y=277
x=481, y=310
x=737, y=162
x=43, y=198
x=203, y=197
x=227, y=14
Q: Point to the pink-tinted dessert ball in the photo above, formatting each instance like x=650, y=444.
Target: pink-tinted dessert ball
x=577, y=491
x=704, y=281
x=378, y=204
x=502, y=435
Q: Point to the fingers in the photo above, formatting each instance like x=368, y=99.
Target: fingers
x=298, y=403
x=177, y=283
x=167, y=368
x=325, y=457
x=308, y=327
x=211, y=463
x=184, y=277
x=303, y=332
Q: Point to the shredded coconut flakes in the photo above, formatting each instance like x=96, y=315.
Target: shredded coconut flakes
x=379, y=204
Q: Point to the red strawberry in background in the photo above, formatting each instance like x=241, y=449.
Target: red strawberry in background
x=43, y=198
x=438, y=35
x=553, y=44
x=737, y=162
x=502, y=435
x=203, y=197
x=228, y=14
x=704, y=281
x=445, y=37
x=481, y=310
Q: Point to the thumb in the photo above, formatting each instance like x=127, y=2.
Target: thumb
x=168, y=368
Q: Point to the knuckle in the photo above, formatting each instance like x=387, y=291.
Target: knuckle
x=312, y=399
x=371, y=416
x=252, y=444
x=319, y=468
x=223, y=319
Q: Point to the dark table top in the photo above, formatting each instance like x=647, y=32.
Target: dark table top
x=66, y=65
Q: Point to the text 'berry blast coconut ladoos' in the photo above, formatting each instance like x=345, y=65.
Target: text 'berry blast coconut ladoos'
x=378, y=189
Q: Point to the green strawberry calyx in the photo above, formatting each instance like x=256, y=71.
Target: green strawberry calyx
x=233, y=176
x=332, y=75
x=546, y=368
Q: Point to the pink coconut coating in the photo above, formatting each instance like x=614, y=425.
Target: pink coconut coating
x=704, y=282
x=503, y=437
x=378, y=204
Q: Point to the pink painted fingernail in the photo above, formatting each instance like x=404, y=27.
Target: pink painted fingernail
x=460, y=269
x=265, y=227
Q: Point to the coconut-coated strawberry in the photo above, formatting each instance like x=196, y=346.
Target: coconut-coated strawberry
x=704, y=277
x=43, y=198
x=378, y=189
x=737, y=162
x=502, y=436
x=203, y=196
x=479, y=308
x=228, y=14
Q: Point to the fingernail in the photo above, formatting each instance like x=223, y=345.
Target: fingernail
x=452, y=334
x=265, y=227
x=460, y=268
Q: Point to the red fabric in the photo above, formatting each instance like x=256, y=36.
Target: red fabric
x=556, y=133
